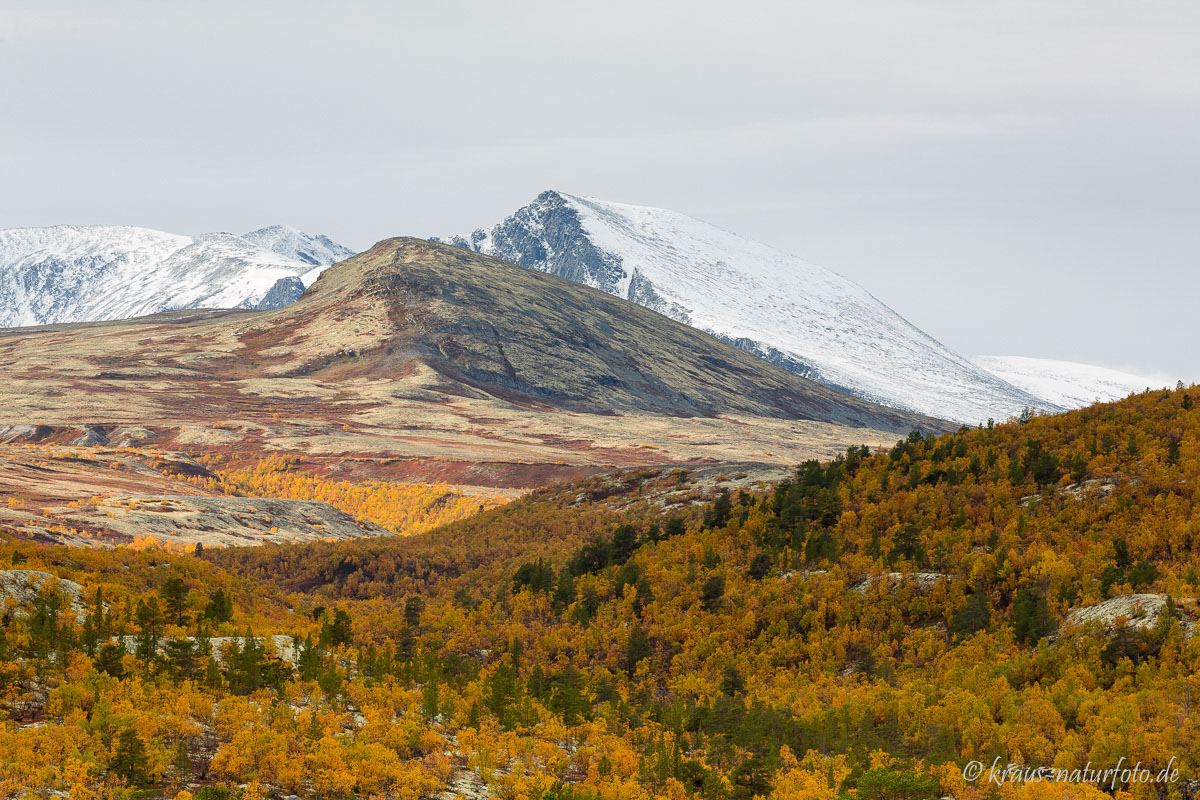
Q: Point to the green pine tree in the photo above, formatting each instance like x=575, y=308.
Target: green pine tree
x=130, y=761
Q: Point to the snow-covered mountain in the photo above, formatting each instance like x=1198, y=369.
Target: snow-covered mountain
x=71, y=273
x=800, y=316
x=1068, y=383
x=318, y=250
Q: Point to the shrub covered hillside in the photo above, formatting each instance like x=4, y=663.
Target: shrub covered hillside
x=1021, y=591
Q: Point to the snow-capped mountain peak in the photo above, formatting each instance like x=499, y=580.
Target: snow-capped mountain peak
x=70, y=273
x=801, y=316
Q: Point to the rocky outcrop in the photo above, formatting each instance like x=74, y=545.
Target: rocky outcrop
x=923, y=581
x=1093, y=487
x=280, y=646
x=222, y=521
x=91, y=437
x=130, y=436
x=548, y=236
x=1139, y=611
x=24, y=433
x=285, y=292
x=20, y=588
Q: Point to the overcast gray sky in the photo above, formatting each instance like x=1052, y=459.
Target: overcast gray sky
x=1013, y=177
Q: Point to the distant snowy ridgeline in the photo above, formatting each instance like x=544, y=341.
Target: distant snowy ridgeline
x=86, y=273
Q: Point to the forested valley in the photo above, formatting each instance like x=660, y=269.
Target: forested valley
x=1022, y=591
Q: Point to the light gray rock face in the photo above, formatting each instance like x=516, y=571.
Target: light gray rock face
x=91, y=437
x=24, y=433
x=280, y=646
x=1140, y=611
x=642, y=291
x=222, y=521
x=923, y=581
x=20, y=589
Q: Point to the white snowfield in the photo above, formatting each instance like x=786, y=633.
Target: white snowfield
x=71, y=273
x=1068, y=383
x=819, y=324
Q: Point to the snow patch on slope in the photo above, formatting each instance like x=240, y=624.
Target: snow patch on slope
x=800, y=316
x=1068, y=383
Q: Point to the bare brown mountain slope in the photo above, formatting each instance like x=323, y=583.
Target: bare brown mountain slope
x=422, y=361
